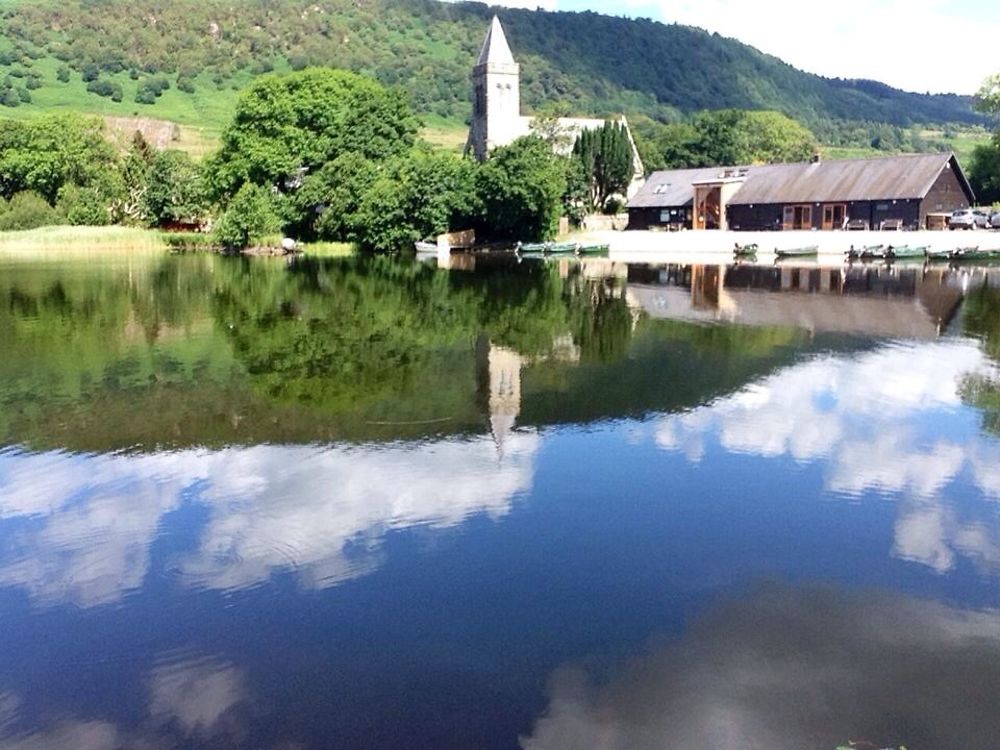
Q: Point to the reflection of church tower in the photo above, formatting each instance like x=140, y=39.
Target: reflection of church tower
x=500, y=386
x=496, y=103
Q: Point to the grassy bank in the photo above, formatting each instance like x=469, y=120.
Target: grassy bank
x=80, y=239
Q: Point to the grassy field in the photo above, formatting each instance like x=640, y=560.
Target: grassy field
x=446, y=135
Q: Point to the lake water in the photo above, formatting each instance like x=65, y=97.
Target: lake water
x=371, y=503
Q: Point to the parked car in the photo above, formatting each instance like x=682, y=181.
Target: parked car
x=995, y=220
x=968, y=218
x=982, y=217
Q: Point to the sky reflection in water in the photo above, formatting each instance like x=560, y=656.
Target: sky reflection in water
x=802, y=550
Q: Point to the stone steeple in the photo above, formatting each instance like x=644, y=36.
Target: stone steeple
x=495, y=48
x=496, y=103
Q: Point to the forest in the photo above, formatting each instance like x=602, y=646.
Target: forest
x=184, y=60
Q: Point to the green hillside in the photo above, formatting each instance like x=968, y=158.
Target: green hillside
x=185, y=61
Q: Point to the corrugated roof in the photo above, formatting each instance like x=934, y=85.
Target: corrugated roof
x=673, y=187
x=887, y=178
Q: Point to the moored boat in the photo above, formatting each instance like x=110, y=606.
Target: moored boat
x=424, y=246
x=906, y=251
x=974, y=253
x=797, y=252
x=592, y=249
x=745, y=251
x=946, y=254
x=868, y=251
x=549, y=248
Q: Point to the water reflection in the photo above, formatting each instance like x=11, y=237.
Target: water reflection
x=344, y=503
x=875, y=420
x=789, y=668
x=87, y=522
x=194, y=701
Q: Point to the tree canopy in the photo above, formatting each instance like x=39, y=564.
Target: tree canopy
x=287, y=126
x=521, y=187
x=725, y=137
x=51, y=151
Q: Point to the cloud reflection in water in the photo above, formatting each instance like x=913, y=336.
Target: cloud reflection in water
x=866, y=418
x=791, y=669
x=85, y=523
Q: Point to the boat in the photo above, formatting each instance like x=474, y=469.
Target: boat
x=797, y=252
x=974, y=253
x=967, y=253
x=745, y=251
x=549, y=248
x=592, y=249
x=424, y=246
x=868, y=251
x=940, y=254
x=906, y=251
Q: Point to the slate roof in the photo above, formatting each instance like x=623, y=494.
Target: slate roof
x=672, y=187
x=495, y=49
x=886, y=178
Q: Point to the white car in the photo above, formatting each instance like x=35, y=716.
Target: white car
x=995, y=220
x=968, y=218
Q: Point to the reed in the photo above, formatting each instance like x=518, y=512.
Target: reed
x=328, y=249
x=77, y=240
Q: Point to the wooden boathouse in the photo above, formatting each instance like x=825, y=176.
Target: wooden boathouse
x=894, y=192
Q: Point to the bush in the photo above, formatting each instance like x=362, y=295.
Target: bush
x=27, y=210
x=9, y=97
x=105, y=87
x=186, y=85
x=150, y=89
x=83, y=206
x=62, y=75
x=249, y=217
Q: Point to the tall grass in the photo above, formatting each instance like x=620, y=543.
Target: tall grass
x=76, y=240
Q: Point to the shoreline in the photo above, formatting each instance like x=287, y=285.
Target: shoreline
x=645, y=246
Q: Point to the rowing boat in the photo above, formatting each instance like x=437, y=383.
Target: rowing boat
x=425, y=247
x=592, y=249
x=549, y=248
x=745, y=251
x=797, y=252
x=868, y=251
x=974, y=253
x=906, y=251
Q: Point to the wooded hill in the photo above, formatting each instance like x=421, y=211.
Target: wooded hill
x=184, y=60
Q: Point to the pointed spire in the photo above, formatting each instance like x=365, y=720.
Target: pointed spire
x=495, y=48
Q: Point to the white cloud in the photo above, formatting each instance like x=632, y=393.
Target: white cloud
x=905, y=43
x=916, y=45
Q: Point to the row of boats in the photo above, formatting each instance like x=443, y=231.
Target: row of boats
x=537, y=249
x=560, y=248
x=880, y=252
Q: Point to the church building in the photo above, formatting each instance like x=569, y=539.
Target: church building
x=496, y=106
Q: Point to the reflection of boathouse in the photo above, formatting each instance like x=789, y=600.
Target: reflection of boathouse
x=882, y=302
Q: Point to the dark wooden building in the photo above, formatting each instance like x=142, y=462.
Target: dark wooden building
x=890, y=192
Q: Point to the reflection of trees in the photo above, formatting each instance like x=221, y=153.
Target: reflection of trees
x=982, y=319
x=217, y=351
x=339, y=334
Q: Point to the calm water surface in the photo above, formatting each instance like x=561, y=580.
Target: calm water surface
x=378, y=504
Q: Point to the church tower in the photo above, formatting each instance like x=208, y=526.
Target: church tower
x=496, y=102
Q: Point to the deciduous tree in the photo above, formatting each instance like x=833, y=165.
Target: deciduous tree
x=521, y=187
